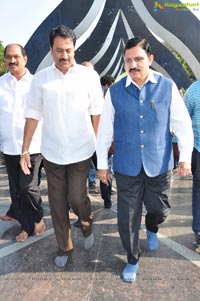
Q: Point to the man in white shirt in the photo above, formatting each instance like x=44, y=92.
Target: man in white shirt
x=138, y=112
x=66, y=95
x=25, y=194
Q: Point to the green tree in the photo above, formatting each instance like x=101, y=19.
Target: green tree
x=2, y=62
x=182, y=61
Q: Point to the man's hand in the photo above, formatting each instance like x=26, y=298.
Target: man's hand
x=103, y=175
x=184, y=169
x=25, y=163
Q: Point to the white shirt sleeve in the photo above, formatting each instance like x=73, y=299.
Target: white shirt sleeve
x=105, y=133
x=33, y=108
x=96, y=95
x=181, y=125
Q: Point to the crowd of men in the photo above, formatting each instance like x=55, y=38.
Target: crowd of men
x=61, y=117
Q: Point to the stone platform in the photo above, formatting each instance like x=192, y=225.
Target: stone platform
x=172, y=273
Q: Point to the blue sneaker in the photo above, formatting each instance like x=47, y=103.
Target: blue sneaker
x=152, y=240
x=129, y=272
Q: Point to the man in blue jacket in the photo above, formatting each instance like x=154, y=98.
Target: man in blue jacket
x=192, y=101
x=139, y=111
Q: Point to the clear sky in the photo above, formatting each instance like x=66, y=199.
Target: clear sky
x=20, y=18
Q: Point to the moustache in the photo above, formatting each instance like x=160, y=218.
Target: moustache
x=133, y=69
x=63, y=60
x=12, y=64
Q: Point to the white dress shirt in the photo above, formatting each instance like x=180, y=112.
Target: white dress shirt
x=66, y=102
x=13, y=96
x=179, y=121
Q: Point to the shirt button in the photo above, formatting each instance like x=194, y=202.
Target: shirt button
x=142, y=145
x=141, y=132
x=141, y=116
x=141, y=100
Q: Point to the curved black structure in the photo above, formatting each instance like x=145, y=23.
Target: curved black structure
x=118, y=21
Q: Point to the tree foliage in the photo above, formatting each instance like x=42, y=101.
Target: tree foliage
x=182, y=62
x=2, y=62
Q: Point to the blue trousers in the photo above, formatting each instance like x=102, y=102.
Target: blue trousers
x=196, y=191
x=92, y=176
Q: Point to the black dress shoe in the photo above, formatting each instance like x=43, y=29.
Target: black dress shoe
x=107, y=204
x=77, y=223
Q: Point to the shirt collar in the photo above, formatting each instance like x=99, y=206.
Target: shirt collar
x=53, y=66
x=150, y=78
x=25, y=76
